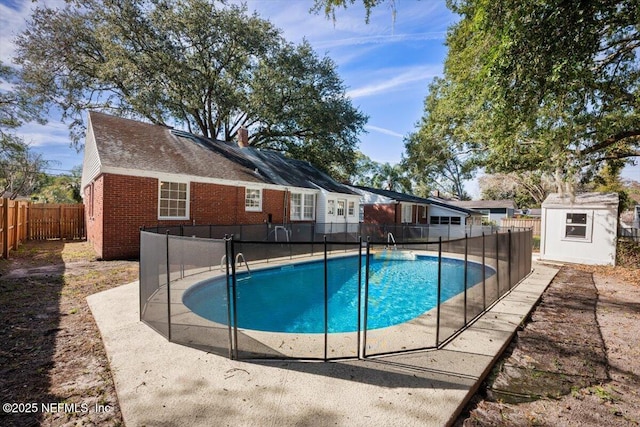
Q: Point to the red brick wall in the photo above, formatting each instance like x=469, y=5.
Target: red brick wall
x=123, y=204
x=93, y=193
x=381, y=214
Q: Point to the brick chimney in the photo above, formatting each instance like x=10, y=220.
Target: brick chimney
x=243, y=137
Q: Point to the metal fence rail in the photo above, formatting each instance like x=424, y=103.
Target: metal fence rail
x=339, y=232
x=465, y=276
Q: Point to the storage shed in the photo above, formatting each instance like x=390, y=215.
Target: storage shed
x=580, y=228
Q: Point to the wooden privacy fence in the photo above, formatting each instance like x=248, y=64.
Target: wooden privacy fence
x=533, y=223
x=13, y=224
x=56, y=221
x=20, y=220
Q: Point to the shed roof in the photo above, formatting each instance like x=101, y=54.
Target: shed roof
x=582, y=199
x=134, y=145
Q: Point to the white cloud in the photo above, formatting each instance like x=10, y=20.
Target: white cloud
x=49, y=135
x=13, y=20
x=384, y=131
x=396, y=79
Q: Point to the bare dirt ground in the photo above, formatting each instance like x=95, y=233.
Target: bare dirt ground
x=577, y=362
x=53, y=367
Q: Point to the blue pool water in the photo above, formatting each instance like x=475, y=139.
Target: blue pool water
x=291, y=298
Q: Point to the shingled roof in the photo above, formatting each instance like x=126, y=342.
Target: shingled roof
x=403, y=197
x=133, y=145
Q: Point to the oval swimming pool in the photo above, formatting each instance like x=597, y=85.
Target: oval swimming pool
x=291, y=298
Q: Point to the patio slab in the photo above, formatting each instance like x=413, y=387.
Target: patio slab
x=163, y=383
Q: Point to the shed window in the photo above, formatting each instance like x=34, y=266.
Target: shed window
x=352, y=208
x=253, y=200
x=576, y=226
x=173, y=200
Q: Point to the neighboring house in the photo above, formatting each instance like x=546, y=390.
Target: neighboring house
x=636, y=216
x=493, y=210
x=137, y=174
x=416, y=217
x=580, y=229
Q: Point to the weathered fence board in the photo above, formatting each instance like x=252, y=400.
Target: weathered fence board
x=21, y=220
x=533, y=223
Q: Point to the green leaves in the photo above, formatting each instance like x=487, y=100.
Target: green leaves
x=190, y=63
x=547, y=85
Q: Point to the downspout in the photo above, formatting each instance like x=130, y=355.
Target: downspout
x=284, y=207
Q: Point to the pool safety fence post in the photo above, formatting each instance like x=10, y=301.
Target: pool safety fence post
x=168, y=289
x=140, y=274
x=466, y=284
x=227, y=252
x=326, y=300
x=439, y=290
x=509, y=257
x=234, y=303
x=484, y=276
x=359, y=335
x=497, y=263
x=366, y=298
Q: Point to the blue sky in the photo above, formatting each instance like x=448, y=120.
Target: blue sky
x=386, y=66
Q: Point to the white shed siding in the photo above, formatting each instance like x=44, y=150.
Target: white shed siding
x=599, y=245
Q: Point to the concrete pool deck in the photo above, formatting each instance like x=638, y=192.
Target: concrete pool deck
x=167, y=384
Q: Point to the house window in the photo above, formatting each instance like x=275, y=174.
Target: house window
x=173, y=200
x=445, y=220
x=331, y=207
x=253, y=200
x=577, y=226
x=302, y=206
x=90, y=190
x=406, y=213
x=340, y=211
x=352, y=208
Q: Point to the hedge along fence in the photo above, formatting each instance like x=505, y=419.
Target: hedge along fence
x=21, y=220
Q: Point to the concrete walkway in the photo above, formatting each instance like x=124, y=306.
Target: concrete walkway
x=164, y=384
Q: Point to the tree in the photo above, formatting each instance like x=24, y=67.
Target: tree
x=190, y=63
x=435, y=155
x=548, y=85
x=527, y=189
x=60, y=188
x=384, y=176
x=20, y=168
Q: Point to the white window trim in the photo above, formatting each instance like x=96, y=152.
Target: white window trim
x=303, y=196
x=331, y=203
x=351, y=208
x=188, y=198
x=589, y=227
x=253, y=208
x=407, y=213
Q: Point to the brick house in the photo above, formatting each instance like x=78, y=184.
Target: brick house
x=392, y=207
x=137, y=174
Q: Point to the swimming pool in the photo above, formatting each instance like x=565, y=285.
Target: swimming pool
x=290, y=298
